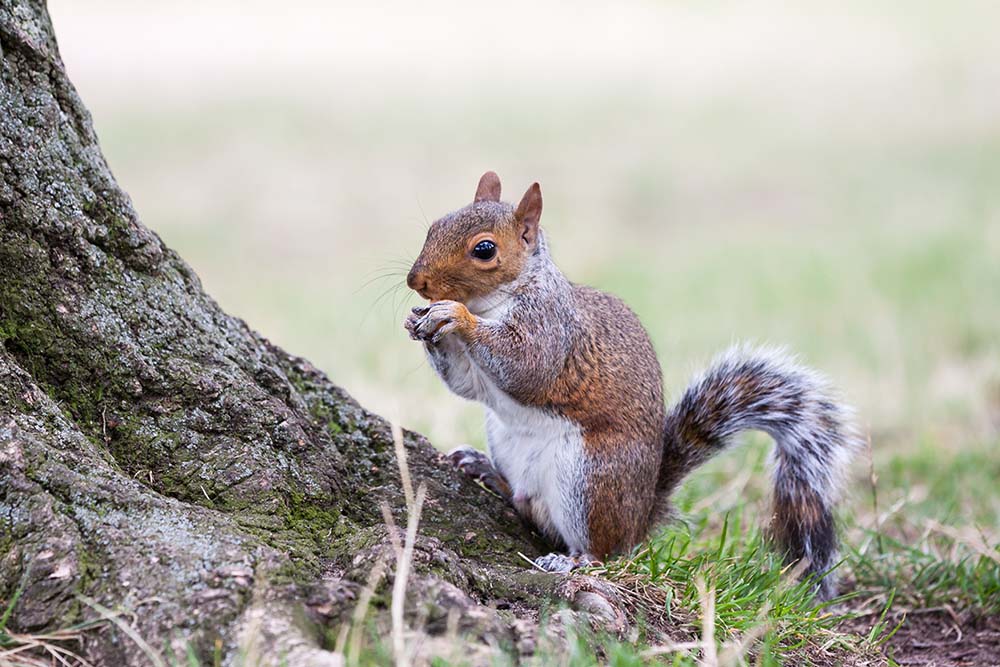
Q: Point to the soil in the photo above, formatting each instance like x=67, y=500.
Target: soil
x=940, y=638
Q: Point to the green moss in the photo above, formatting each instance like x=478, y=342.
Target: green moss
x=295, y=570
x=8, y=330
x=76, y=376
x=309, y=529
x=117, y=227
x=115, y=224
x=328, y=416
x=305, y=517
x=316, y=398
x=89, y=568
x=297, y=380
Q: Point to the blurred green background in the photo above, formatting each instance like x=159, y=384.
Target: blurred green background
x=821, y=176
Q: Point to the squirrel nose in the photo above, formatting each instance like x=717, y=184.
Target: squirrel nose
x=416, y=280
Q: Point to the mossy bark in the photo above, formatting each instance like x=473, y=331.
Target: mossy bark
x=162, y=458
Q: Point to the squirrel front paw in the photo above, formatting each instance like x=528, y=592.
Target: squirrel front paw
x=413, y=319
x=432, y=323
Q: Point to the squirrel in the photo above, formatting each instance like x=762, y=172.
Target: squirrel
x=579, y=440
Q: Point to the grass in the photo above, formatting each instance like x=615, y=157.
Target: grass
x=752, y=594
x=821, y=178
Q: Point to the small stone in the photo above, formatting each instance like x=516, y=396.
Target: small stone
x=63, y=571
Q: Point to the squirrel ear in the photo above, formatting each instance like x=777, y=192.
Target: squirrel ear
x=489, y=187
x=528, y=212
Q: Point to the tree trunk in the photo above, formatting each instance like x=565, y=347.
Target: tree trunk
x=161, y=458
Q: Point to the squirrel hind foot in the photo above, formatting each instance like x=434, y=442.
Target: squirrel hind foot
x=563, y=563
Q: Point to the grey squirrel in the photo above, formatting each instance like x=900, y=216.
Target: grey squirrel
x=579, y=440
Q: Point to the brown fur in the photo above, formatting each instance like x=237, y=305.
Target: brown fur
x=613, y=388
x=796, y=517
x=446, y=268
x=610, y=383
x=582, y=355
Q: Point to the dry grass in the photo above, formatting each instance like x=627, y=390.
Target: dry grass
x=41, y=649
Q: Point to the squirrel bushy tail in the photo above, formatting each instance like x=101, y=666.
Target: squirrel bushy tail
x=759, y=389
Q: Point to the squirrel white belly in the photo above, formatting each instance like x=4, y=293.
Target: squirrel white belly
x=579, y=439
x=538, y=453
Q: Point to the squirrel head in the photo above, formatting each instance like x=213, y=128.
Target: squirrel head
x=471, y=252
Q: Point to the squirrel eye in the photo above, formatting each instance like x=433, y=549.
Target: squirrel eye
x=485, y=250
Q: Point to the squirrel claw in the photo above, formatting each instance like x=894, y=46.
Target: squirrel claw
x=411, y=323
x=478, y=466
x=427, y=326
x=432, y=323
x=445, y=328
x=471, y=461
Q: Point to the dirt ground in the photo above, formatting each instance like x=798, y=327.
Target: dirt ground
x=940, y=638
